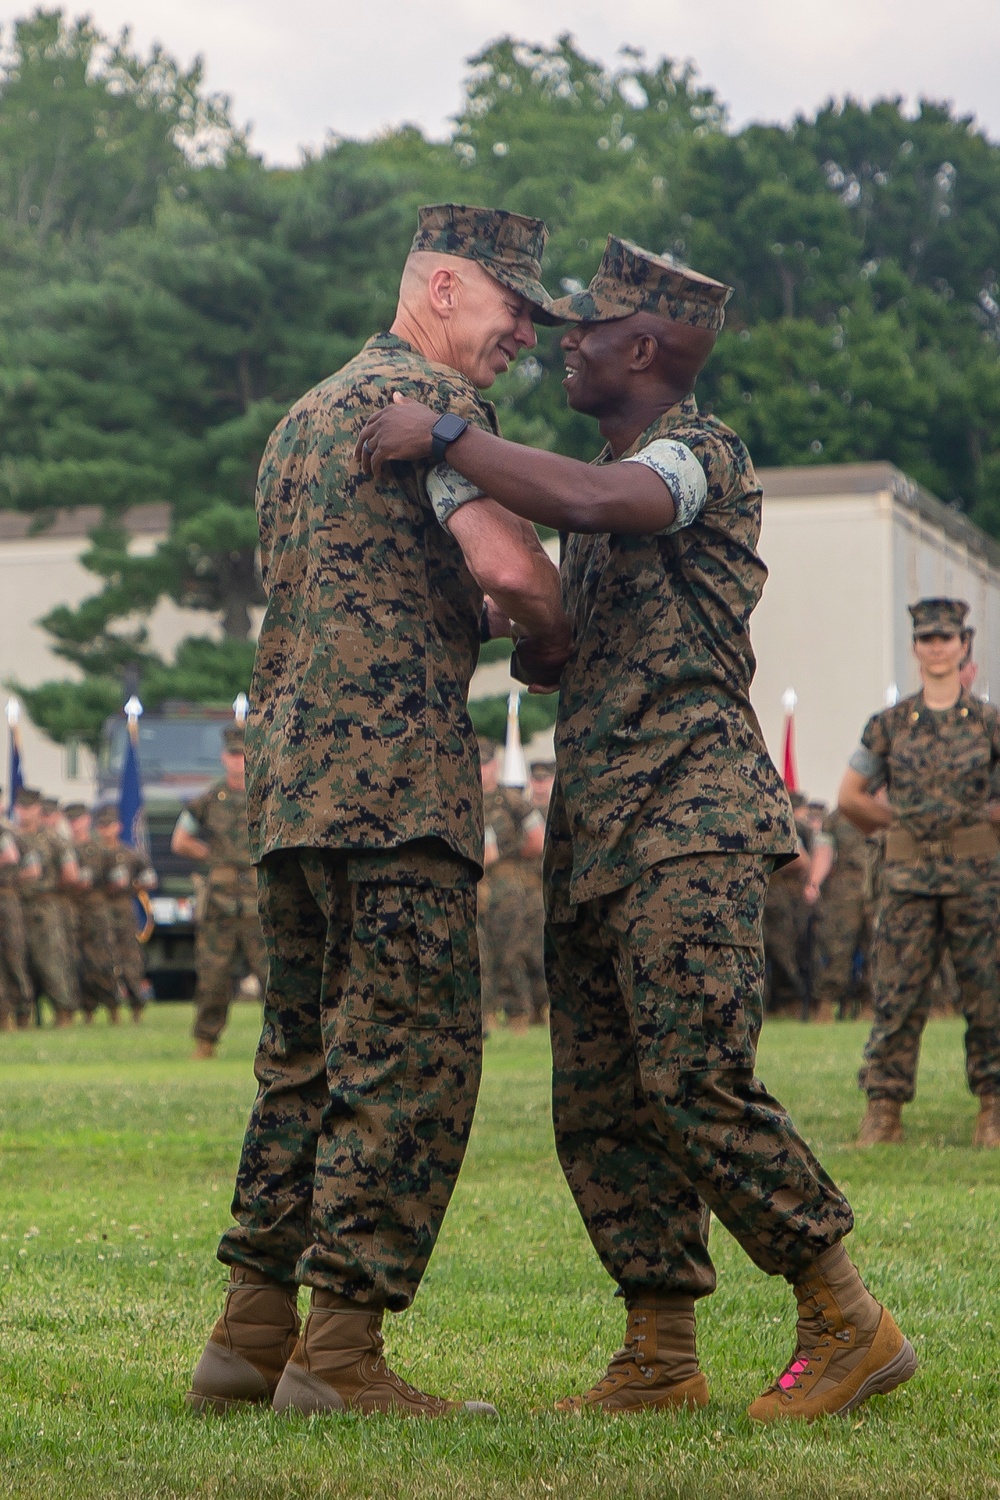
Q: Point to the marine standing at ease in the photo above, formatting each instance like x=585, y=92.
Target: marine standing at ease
x=936, y=755
x=213, y=829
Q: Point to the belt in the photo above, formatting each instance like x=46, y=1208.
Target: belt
x=962, y=843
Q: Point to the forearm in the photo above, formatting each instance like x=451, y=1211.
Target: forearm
x=510, y=565
x=187, y=846
x=867, y=813
x=562, y=492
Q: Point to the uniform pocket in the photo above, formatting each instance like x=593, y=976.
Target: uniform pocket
x=695, y=1007
x=414, y=957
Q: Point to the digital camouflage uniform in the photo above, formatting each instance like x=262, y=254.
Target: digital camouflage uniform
x=16, y=993
x=938, y=886
x=666, y=820
x=51, y=960
x=96, y=947
x=365, y=810
x=130, y=872
x=510, y=932
x=843, y=927
x=228, y=928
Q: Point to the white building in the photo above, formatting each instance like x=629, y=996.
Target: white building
x=40, y=569
x=848, y=547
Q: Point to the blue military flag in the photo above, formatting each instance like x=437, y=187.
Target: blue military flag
x=130, y=800
x=15, y=779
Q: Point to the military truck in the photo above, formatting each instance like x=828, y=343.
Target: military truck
x=179, y=749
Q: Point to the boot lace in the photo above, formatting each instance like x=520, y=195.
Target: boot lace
x=619, y=1366
x=810, y=1340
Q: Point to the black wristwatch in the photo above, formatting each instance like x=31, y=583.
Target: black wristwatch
x=445, y=430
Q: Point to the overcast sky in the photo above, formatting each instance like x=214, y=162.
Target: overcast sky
x=300, y=69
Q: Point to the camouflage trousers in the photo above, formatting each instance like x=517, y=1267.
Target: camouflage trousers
x=95, y=946
x=842, y=928
x=221, y=941
x=51, y=959
x=911, y=935
x=129, y=959
x=656, y=1001
x=17, y=997
x=511, y=942
x=368, y=1068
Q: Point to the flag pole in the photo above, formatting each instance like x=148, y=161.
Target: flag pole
x=789, y=700
x=515, y=770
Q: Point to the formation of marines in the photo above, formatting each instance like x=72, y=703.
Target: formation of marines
x=396, y=534
x=68, y=929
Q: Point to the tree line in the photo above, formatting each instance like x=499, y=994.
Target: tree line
x=166, y=294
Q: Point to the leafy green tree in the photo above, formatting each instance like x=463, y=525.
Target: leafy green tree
x=90, y=131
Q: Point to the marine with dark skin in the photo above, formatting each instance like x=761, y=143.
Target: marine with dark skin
x=667, y=819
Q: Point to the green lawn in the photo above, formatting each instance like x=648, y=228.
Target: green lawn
x=117, y=1161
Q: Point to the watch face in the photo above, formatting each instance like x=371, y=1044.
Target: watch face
x=449, y=427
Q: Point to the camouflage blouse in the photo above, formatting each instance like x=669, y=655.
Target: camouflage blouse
x=359, y=736
x=939, y=767
x=659, y=751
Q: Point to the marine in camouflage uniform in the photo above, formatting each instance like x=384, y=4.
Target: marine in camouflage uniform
x=843, y=926
x=365, y=816
x=667, y=818
x=47, y=864
x=129, y=873
x=228, y=927
x=938, y=884
x=509, y=941
x=17, y=997
x=54, y=825
x=97, y=976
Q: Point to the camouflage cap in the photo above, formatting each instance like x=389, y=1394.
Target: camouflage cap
x=938, y=617
x=27, y=797
x=507, y=245
x=74, y=810
x=798, y=800
x=106, y=815
x=234, y=739
x=487, y=748
x=631, y=280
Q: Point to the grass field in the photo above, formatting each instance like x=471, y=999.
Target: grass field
x=117, y=1162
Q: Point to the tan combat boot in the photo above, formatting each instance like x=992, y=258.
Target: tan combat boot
x=882, y=1124
x=987, y=1131
x=202, y=1050
x=337, y=1366
x=249, y=1346
x=847, y=1348
x=656, y=1369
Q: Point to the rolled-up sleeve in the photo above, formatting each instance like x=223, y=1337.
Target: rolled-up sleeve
x=682, y=474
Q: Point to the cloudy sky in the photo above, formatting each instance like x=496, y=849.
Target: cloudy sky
x=299, y=69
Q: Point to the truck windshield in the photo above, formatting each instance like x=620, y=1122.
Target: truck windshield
x=168, y=747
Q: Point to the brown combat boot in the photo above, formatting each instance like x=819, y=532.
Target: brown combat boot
x=337, y=1366
x=249, y=1346
x=656, y=1369
x=202, y=1049
x=882, y=1124
x=987, y=1131
x=847, y=1348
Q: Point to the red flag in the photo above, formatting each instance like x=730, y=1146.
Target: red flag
x=789, y=699
x=789, y=772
